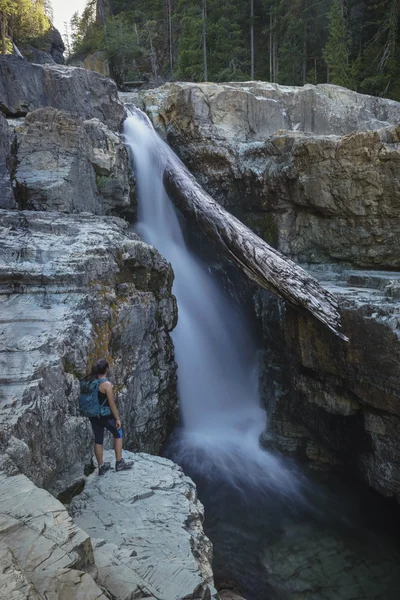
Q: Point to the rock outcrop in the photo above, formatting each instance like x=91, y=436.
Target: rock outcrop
x=25, y=87
x=314, y=171
x=73, y=288
x=147, y=532
x=49, y=49
x=66, y=164
x=338, y=405
x=42, y=553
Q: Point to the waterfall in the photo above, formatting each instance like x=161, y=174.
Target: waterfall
x=218, y=377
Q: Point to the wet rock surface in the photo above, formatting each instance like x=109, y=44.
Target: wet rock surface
x=337, y=405
x=42, y=553
x=74, y=288
x=146, y=526
x=25, y=86
x=67, y=164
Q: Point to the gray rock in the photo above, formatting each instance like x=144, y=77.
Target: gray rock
x=73, y=289
x=25, y=87
x=313, y=170
x=146, y=526
x=43, y=553
x=338, y=405
x=70, y=165
x=253, y=111
x=6, y=194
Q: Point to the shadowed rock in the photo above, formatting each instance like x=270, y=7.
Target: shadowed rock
x=42, y=553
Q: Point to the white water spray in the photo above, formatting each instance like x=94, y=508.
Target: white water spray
x=216, y=355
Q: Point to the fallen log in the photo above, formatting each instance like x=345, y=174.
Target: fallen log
x=259, y=261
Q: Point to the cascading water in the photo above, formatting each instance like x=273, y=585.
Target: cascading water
x=217, y=357
x=267, y=537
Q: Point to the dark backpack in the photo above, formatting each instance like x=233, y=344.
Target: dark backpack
x=89, y=403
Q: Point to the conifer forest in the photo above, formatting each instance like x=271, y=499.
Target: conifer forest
x=292, y=42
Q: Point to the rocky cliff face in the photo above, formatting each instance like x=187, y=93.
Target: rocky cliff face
x=314, y=171
x=66, y=164
x=74, y=287
x=25, y=86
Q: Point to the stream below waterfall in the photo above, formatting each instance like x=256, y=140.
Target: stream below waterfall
x=276, y=533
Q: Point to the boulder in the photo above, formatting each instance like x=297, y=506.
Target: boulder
x=6, y=193
x=43, y=554
x=25, y=86
x=146, y=526
x=74, y=288
x=70, y=165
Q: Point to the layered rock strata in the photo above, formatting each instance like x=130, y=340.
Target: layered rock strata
x=74, y=288
x=146, y=526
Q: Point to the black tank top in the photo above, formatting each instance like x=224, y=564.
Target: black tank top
x=102, y=397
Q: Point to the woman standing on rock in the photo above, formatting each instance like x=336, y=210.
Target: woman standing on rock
x=97, y=402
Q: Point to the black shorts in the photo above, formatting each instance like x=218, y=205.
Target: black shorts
x=101, y=423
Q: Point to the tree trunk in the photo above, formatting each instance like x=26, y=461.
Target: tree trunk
x=252, y=38
x=3, y=34
x=261, y=263
x=271, y=73
x=204, y=11
x=171, y=57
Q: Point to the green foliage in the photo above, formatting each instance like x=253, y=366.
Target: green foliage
x=22, y=21
x=356, y=42
x=122, y=49
x=336, y=52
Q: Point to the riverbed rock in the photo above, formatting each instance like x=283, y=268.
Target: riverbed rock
x=67, y=164
x=25, y=86
x=43, y=554
x=146, y=527
x=74, y=288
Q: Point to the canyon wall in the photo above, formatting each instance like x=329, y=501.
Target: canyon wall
x=314, y=171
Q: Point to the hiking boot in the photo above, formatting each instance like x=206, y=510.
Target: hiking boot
x=104, y=468
x=122, y=465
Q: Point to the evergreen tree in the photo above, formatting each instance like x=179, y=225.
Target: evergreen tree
x=336, y=51
x=22, y=21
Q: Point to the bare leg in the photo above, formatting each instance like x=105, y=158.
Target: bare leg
x=118, y=448
x=98, y=451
